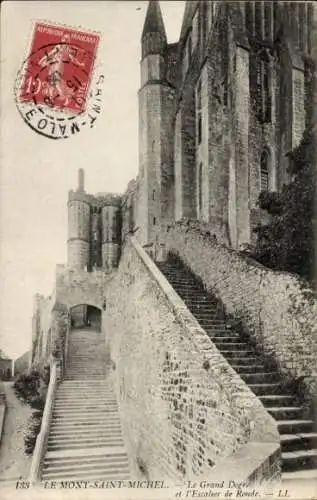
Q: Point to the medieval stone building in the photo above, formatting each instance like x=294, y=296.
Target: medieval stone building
x=219, y=111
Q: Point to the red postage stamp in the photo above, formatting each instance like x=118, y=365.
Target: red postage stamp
x=58, y=70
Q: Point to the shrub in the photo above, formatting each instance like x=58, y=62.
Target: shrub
x=34, y=427
x=287, y=243
x=27, y=385
x=31, y=388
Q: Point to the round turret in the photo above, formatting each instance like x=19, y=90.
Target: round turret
x=78, y=226
x=111, y=231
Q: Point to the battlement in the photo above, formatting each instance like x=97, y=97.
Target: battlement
x=99, y=200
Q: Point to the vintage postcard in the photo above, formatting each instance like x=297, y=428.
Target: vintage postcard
x=158, y=250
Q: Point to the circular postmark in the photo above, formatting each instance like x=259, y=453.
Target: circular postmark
x=56, y=91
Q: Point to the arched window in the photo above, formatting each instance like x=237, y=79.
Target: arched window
x=264, y=171
x=258, y=19
x=203, y=23
x=249, y=17
x=268, y=20
x=263, y=86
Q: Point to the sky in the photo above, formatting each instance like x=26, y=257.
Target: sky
x=36, y=172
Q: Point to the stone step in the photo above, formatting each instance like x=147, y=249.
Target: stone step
x=87, y=383
x=84, y=455
x=295, y=426
x=78, y=395
x=111, y=431
x=75, y=413
x=276, y=400
x=209, y=321
x=106, y=419
x=285, y=412
x=87, y=404
x=208, y=315
x=244, y=360
x=196, y=300
x=248, y=368
x=218, y=332
x=302, y=441
x=191, y=295
x=79, y=445
x=243, y=353
x=225, y=336
x=76, y=376
x=230, y=346
x=89, y=476
x=95, y=416
x=88, y=464
x=301, y=475
x=66, y=441
x=261, y=389
x=300, y=459
x=225, y=339
x=203, y=307
x=80, y=429
x=72, y=402
x=71, y=386
x=259, y=377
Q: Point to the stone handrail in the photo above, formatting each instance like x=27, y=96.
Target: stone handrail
x=41, y=441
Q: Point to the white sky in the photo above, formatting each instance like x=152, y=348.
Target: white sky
x=36, y=172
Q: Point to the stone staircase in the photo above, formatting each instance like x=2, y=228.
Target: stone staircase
x=85, y=440
x=298, y=436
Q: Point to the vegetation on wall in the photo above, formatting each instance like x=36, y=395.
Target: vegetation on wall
x=287, y=243
x=31, y=388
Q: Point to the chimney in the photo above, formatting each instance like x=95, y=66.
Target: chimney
x=81, y=180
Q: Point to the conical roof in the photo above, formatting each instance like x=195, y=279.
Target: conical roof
x=154, y=20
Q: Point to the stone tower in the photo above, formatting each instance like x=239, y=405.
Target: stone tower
x=94, y=228
x=78, y=226
x=154, y=102
x=110, y=231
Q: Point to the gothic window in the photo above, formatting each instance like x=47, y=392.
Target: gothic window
x=224, y=49
x=203, y=23
x=258, y=19
x=249, y=16
x=200, y=188
x=275, y=19
x=263, y=87
x=153, y=195
x=301, y=24
x=264, y=171
x=268, y=20
x=199, y=113
x=310, y=29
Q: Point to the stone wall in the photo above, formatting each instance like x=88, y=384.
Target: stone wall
x=277, y=309
x=75, y=287
x=183, y=407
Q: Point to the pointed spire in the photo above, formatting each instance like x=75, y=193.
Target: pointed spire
x=154, y=20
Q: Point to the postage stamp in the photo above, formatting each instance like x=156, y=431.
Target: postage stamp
x=54, y=85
